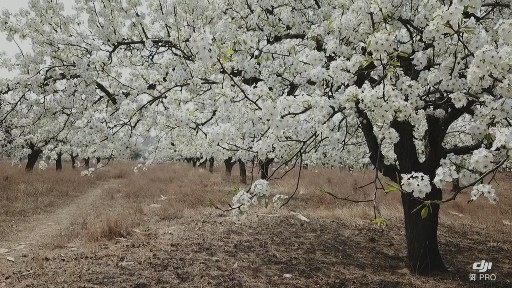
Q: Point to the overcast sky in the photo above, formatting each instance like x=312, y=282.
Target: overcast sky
x=12, y=5
x=10, y=47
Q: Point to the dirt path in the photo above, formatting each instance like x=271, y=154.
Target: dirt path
x=43, y=229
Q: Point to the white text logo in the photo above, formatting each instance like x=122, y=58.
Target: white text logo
x=482, y=266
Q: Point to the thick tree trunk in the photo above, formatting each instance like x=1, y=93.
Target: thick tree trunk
x=264, y=167
x=423, y=256
x=243, y=171
x=32, y=159
x=211, y=164
x=58, y=162
x=228, y=163
x=87, y=162
x=73, y=161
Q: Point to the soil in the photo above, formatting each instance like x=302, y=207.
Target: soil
x=208, y=248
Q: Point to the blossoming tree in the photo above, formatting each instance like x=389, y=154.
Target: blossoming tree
x=425, y=84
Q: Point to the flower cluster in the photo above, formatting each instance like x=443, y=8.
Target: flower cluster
x=416, y=183
x=259, y=193
x=485, y=190
x=481, y=160
x=43, y=165
x=137, y=168
x=445, y=174
x=89, y=172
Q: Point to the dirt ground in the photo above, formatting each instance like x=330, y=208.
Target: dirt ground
x=157, y=228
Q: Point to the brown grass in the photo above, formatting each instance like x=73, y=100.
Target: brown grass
x=185, y=190
x=25, y=195
x=165, y=219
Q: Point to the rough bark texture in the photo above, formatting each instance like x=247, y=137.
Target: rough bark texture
x=73, y=160
x=243, y=171
x=32, y=158
x=211, y=162
x=423, y=256
x=58, y=162
x=264, y=168
x=228, y=164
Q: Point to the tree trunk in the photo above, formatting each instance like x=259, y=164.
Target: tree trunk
x=194, y=162
x=423, y=256
x=73, y=161
x=228, y=163
x=211, y=162
x=32, y=159
x=202, y=164
x=243, y=171
x=58, y=162
x=87, y=162
x=98, y=160
x=264, y=167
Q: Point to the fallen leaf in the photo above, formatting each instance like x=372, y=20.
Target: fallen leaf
x=456, y=213
x=287, y=275
x=19, y=247
x=10, y=259
x=125, y=263
x=301, y=217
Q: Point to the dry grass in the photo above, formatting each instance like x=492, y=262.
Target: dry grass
x=344, y=183
x=162, y=220
x=171, y=191
x=25, y=195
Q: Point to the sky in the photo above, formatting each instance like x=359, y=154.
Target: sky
x=10, y=48
x=13, y=5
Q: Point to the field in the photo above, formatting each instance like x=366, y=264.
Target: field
x=159, y=228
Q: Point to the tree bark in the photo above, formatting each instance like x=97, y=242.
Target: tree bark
x=228, y=163
x=203, y=164
x=243, y=171
x=423, y=256
x=194, y=162
x=73, y=161
x=58, y=162
x=98, y=160
x=211, y=164
x=264, y=167
x=87, y=162
x=32, y=158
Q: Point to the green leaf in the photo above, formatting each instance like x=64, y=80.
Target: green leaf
x=489, y=138
x=392, y=187
x=380, y=222
x=424, y=212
